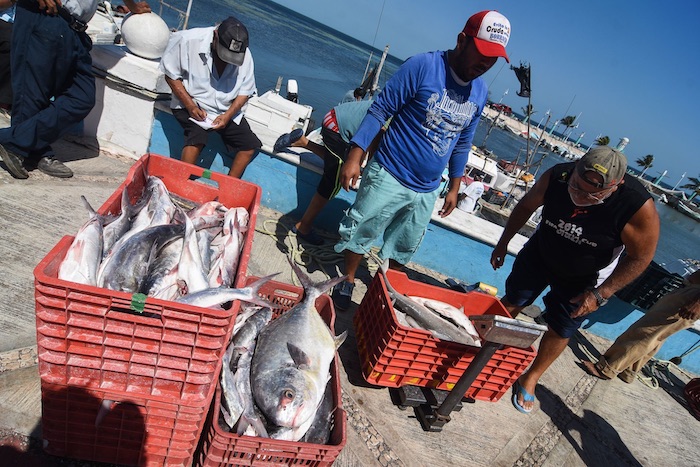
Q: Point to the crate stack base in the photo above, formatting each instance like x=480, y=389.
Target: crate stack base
x=220, y=448
x=393, y=355
x=150, y=364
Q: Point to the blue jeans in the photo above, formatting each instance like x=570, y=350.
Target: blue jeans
x=52, y=80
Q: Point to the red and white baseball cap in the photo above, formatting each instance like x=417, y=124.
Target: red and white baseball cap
x=491, y=31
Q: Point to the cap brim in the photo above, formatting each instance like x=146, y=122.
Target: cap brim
x=489, y=49
x=234, y=58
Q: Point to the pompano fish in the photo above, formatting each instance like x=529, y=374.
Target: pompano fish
x=424, y=317
x=85, y=253
x=452, y=313
x=292, y=360
x=217, y=296
x=246, y=335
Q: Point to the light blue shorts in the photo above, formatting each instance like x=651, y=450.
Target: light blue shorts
x=384, y=206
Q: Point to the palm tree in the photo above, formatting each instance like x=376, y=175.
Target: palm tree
x=647, y=162
x=568, y=122
x=528, y=110
x=693, y=185
x=602, y=140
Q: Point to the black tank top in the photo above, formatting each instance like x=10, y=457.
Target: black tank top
x=578, y=241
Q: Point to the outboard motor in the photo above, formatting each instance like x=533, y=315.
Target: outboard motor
x=292, y=91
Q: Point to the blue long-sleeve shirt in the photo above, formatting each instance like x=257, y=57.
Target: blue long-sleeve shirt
x=434, y=120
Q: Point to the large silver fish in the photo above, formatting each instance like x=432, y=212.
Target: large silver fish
x=292, y=360
x=425, y=318
x=85, y=253
x=125, y=268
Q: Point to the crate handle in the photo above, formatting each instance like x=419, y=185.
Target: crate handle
x=138, y=302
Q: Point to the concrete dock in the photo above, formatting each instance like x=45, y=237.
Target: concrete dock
x=578, y=420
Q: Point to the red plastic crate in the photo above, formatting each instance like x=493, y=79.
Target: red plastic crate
x=393, y=355
x=134, y=431
x=221, y=448
x=92, y=337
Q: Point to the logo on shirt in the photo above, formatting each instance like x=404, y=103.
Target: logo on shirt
x=446, y=116
x=570, y=231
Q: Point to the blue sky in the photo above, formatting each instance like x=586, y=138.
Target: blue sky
x=629, y=68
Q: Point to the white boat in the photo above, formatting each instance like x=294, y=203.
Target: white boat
x=688, y=210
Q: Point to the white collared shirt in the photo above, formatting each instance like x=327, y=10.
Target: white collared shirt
x=188, y=57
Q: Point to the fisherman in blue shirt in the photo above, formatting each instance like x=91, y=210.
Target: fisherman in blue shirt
x=434, y=100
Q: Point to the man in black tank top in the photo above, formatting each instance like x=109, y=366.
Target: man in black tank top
x=592, y=211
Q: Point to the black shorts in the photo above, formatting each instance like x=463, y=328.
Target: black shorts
x=530, y=277
x=329, y=186
x=236, y=137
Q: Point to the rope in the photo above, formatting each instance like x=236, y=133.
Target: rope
x=304, y=254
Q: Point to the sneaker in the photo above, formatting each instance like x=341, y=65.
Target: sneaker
x=286, y=140
x=312, y=237
x=13, y=163
x=54, y=167
x=342, y=295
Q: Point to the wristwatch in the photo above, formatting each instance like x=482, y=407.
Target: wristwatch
x=598, y=297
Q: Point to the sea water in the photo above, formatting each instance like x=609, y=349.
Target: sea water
x=327, y=64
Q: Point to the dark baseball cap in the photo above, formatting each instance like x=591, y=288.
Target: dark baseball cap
x=233, y=41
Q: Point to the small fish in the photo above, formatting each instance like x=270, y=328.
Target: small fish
x=83, y=257
x=217, y=296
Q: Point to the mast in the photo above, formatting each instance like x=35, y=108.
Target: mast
x=375, y=84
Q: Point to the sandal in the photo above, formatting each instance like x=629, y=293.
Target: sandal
x=527, y=397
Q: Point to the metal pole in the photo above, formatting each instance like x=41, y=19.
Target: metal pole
x=465, y=381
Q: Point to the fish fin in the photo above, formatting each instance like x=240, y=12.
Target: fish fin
x=308, y=284
x=258, y=425
x=242, y=425
x=87, y=205
x=301, y=358
x=255, y=287
x=340, y=339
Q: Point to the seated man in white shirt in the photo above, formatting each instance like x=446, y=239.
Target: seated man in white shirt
x=469, y=194
x=210, y=71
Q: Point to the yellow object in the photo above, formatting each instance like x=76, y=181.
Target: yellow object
x=488, y=289
x=527, y=177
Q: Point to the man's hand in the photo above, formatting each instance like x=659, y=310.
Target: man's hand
x=498, y=256
x=350, y=170
x=690, y=311
x=449, y=205
x=349, y=174
x=137, y=8
x=198, y=113
x=50, y=6
x=587, y=304
x=220, y=122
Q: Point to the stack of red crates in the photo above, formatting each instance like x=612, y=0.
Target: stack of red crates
x=127, y=379
x=393, y=355
x=220, y=448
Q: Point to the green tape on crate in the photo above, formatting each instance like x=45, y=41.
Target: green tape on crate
x=138, y=302
x=206, y=174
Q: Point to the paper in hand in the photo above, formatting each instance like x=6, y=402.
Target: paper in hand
x=207, y=123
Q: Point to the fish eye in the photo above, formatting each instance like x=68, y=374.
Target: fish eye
x=288, y=394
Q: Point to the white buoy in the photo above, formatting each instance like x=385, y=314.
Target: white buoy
x=145, y=35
